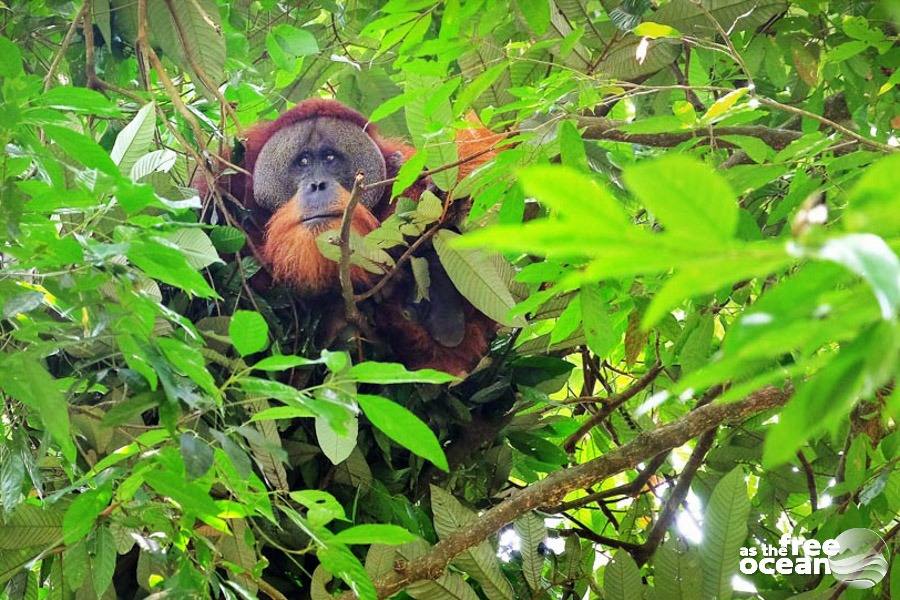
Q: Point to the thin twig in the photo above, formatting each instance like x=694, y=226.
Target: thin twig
x=434, y=171
x=611, y=404
x=834, y=125
x=626, y=490
x=732, y=51
x=350, y=308
x=63, y=46
x=429, y=233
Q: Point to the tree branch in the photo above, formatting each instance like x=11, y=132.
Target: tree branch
x=676, y=497
x=630, y=489
x=350, y=308
x=598, y=128
x=611, y=404
x=810, y=481
x=556, y=486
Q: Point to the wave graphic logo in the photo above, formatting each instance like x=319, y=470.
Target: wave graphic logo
x=862, y=560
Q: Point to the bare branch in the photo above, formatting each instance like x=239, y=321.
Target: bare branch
x=810, y=481
x=63, y=46
x=352, y=312
x=557, y=485
x=676, y=497
x=611, y=404
x=598, y=128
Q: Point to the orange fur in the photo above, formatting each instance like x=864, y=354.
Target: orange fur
x=416, y=349
x=290, y=249
x=474, y=140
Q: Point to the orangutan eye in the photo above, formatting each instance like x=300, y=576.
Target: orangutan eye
x=304, y=160
x=330, y=157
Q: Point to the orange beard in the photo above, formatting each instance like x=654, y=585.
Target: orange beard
x=291, y=252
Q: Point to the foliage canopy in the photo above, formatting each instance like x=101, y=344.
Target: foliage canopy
x=690, y=235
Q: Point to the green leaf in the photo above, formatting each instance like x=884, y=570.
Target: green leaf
x=26, y=380
x=724, y=104
x=169, y=266
x=190, y=496
x=157, y=161
x=622, y=579
x=83, y=149
x=872, y=259
x=196, y=454
x=293, y=41
x=677, y=572
x=404, y=427
x=11, y=65
x=282, y=412
x=754, y=147
x=387, y=373
x=195, y=245
x=76, y=564
x=340, y=561
x=374, y=534
x=823, y=400
x=599, y=329
x=649, y=29
x=12, y=475
x=476, y=277
x=103, y=565
x=30, y=525
x=248, y=331
x=477, y=87
x=322, y=507
x=189, y=361
x=571, y=147
x=688, y=197
x=135, y=139
x=82, y=513
x=480, y=562
x=577, y=197
x=199, y=38
x=537, y=14
x=724, y=532
x=227, y=239
x=532, y=531
x=336, y=445
x=280, y=362
x=408, y=173
x=78, y=99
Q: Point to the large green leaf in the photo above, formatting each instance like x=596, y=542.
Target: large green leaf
x=386, y=373
x=248, y=331
x=689, y=198
x=26, y=380
x=31, y=525
x=677, y=572
x=135, y=139
x=724, y=532
x=532, y=531
x=373, y=533
x=336, y=445
x=622, y=579
x=476, y=277
x=404, y=427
